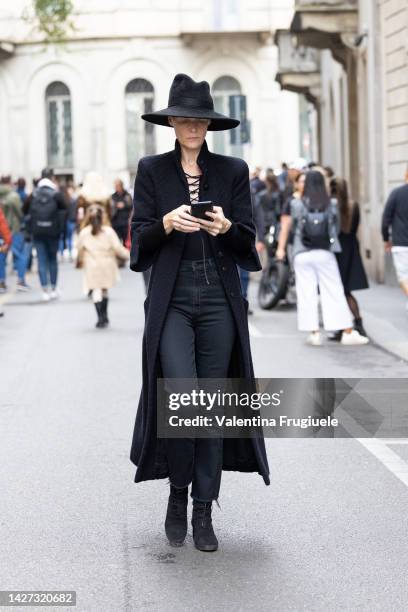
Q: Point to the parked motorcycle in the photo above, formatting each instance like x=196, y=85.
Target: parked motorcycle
x=278, y=279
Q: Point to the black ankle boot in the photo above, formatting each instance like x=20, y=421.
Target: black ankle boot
x=203, y=532
x=99, y=311
x=105, y=310
x=176, y=517
x=336, y=336
x=358, y=325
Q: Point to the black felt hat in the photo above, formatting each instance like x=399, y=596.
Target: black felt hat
x=187, y=98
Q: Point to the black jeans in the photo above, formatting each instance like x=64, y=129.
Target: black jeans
x=196, y=342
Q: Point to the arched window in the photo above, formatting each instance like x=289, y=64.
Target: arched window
x=226, y=92
x=139, y=99
x=59, y=126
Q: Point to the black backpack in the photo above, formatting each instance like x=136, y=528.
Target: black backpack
x=315, y=227
x=44, y=217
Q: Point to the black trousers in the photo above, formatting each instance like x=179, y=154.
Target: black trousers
x=122, y=232
x=196, y=342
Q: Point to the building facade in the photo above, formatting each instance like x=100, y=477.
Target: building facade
x=76, y=106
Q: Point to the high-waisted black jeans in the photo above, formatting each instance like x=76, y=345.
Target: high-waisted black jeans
x=196, y=342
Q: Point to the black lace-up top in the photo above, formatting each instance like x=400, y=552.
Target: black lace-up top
x=196, y=241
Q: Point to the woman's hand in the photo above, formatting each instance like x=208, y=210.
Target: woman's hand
x=219, y=224
x=181, y=220
x=280, y=254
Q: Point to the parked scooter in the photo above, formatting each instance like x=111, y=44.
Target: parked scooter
x=278, y=279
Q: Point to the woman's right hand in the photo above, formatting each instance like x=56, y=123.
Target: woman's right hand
x=181, y=220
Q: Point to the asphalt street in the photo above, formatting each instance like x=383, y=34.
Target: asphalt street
x=330, y=533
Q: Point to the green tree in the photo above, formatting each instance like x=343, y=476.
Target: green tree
x=52, y=18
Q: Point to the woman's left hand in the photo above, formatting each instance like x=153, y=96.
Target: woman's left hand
x=219, y=223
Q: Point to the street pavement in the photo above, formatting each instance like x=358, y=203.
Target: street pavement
x=328, y=534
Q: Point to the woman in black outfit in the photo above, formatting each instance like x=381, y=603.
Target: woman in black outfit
x=195, y=316
x=350, y=263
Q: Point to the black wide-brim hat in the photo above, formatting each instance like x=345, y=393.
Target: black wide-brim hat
x=187, y=98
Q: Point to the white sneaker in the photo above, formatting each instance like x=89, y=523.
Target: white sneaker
x=353, y=338
x=45, y=296
x=315, y=339
x=54, y=295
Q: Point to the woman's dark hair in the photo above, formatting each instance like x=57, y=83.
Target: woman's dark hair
x=96, y=221
x=345, y=206
x=333, y=188
x=315, y=192
x=272, y=182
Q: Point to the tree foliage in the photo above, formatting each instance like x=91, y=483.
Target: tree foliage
x=52, y=18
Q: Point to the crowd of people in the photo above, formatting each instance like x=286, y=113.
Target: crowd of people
x=301, y=199
x=309, y=202
x=46, y=220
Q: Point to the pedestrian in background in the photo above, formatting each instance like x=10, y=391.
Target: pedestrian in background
x=283, y=177
x=395, y=217
x=94, y=191
x=12, y=207
x=26, y=225
x=316, y=226
x=21, y=189
x=270, y=200
x=294, y=171
x=351, y=267
x=67, y=236
x=99, y=249
x=47, y=212
x=256, y=185
x=121, y=208
x=5, y=241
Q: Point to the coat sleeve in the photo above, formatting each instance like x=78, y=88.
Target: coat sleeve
x=147, y=231
x=118, y=248
x=240, y=238
x=388, y=216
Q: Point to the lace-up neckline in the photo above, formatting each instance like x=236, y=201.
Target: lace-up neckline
x=193, y=185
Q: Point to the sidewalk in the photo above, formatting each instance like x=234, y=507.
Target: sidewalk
x=384, y=313
x=385, y=317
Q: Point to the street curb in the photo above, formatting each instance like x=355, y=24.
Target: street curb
x=385, y=335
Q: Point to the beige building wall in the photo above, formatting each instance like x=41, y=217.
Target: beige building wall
x=394, y=27
x=393, y=18
x=334, y=115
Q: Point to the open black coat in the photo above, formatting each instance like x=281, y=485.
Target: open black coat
x=160, y=187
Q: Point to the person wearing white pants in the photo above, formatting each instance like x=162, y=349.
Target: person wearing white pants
x=316, y=269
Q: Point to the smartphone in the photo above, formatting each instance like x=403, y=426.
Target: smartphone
x=198, y=209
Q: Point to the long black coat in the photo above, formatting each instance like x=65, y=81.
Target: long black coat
x=160, y=187
x=351, y=266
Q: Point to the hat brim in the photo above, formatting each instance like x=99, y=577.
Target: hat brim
x=218, y=121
